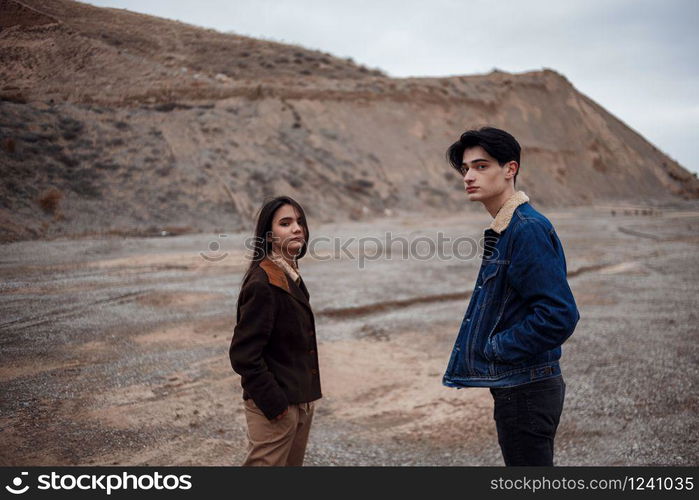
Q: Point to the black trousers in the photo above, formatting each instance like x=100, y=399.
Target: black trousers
x=526, y=418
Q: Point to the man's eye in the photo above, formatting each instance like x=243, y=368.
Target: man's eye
x=481, y=166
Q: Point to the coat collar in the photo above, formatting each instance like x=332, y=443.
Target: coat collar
x=278, y=278
x=504, y=216
x=292, y=272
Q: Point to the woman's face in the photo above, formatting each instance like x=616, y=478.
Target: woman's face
x=288, y=231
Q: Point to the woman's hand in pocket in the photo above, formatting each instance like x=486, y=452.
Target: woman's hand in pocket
x=282, y=414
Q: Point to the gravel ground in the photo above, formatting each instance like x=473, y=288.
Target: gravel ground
x=114, y=351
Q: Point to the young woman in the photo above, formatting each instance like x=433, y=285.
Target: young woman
x=274, y=341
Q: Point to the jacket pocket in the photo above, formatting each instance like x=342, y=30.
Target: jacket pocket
x=490, y=271
x=488, y=284
x=483, y=314
x=493, y=330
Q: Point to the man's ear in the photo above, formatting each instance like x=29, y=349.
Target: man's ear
x=512, y=168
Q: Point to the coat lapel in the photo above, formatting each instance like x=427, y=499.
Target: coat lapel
x=298, y=291
x=279, y=278
x=302, y=286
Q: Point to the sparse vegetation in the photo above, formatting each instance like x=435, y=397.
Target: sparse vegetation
x=49, y=200
x=359, y=185
x=70, y=127
x=84, y=186
x=8, y=145
x=68, y=161
x=106, y=165
x=295, y=182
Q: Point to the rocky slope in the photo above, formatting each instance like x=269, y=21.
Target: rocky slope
x=116, y=122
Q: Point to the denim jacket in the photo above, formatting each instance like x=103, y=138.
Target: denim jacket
x=521, y=309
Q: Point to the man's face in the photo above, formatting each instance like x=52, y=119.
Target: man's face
x=484, y=178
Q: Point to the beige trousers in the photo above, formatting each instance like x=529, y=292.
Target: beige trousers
x=281, y=442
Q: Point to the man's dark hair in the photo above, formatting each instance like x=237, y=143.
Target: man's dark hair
x=497, y=143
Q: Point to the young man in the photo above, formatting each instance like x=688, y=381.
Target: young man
x=521, y=310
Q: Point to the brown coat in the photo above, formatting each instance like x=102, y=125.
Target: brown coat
x=274, y=341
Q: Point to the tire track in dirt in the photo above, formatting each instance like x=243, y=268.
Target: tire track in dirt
x=638, y=233
x=40, y=319
x=390, y=305
x=378, y=307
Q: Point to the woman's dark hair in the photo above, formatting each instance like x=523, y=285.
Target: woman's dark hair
x=262, y=247
x=497, y=143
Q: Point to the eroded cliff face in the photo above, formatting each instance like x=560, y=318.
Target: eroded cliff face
x=112, y=121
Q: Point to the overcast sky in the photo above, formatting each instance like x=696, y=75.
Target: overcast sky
x=637, y=58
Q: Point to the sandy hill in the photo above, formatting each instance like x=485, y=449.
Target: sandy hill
x=112, y=121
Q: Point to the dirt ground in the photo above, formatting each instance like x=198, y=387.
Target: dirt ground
x=114, y=350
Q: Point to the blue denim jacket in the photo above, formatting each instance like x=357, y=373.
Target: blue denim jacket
x=522, y=308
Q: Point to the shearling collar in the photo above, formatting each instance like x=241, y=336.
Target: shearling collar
x=504, y=216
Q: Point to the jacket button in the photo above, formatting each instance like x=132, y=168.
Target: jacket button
x=312, y=351
x=314, y=371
